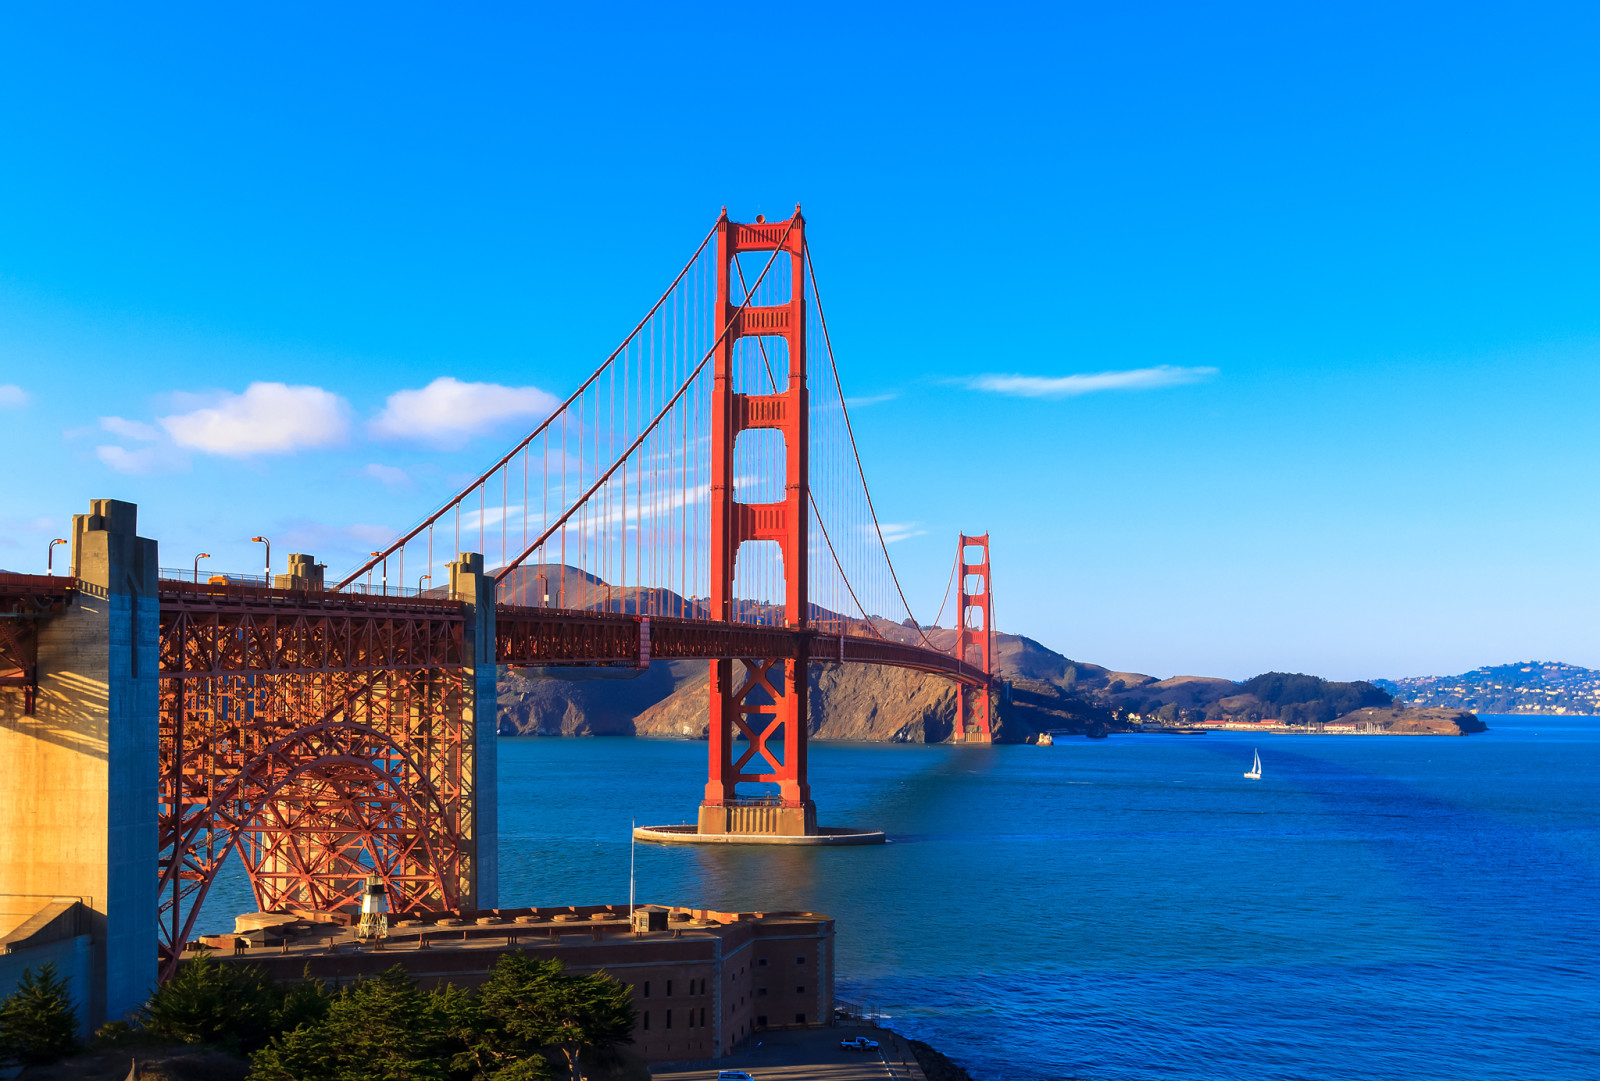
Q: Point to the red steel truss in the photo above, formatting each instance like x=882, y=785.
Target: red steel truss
x=771, y=690
x=25, y=599
x=975, y=629
x=322, y=736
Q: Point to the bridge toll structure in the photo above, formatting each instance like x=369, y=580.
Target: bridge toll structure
x=78, y=745
x=760, y=697
x=975, y=630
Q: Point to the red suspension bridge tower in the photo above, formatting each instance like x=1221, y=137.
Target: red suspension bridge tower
x=762, y=698
x=975, y=631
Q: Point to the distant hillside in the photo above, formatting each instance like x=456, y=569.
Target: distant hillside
x=1048, y=691
x=1528, y=687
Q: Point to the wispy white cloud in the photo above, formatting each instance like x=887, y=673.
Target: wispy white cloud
x=447, y=412
x=158, y=457
x=268, y=418
x=390, y=476
x=899, y=531
x=871, y=399
x=1070, y=386
x=131, y=429
x=13, y=396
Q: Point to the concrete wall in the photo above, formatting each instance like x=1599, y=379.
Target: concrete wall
x=78, y=792
x=52, y=931
x=481, y=826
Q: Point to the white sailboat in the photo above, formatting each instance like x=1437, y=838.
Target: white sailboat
x=1255, y=770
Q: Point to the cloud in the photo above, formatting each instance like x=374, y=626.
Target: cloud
x=161, y=457
x=447, y=412
x=268, y=418
x=899, y=531
x=131, y=429
x=13, y=396
x=390, y=476
x=870, y=399
x=1070, y=386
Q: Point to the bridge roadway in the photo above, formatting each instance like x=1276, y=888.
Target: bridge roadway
x=284, y=631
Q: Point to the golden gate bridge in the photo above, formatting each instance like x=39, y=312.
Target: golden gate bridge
x=699, y=496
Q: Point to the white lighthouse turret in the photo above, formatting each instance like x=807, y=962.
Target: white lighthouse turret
x=374, y=910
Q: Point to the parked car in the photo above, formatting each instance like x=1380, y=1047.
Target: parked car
x=859, y=1043
x=734, y=1075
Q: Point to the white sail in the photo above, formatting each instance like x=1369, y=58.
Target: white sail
x=1255, y=768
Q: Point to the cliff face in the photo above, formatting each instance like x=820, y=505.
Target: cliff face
x=1049, y=692
x=586, y=702
x=859, y=702
x=846, y=702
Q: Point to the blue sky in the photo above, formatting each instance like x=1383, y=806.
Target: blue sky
x=1350, y=257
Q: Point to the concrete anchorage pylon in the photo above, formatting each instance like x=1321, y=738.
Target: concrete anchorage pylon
x=78, y=800
x=481, y=822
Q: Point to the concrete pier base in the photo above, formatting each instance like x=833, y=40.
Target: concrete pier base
x=824, y=837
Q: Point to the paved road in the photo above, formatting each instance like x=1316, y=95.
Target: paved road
x=810, y=1055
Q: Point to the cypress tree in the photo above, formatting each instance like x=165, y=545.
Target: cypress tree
x=38, y=1023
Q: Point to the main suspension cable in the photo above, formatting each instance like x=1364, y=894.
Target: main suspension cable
x=558, y=411
x=665, y=409
x=850, y=431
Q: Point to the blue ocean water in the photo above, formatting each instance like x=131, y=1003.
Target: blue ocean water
x=1417, y=907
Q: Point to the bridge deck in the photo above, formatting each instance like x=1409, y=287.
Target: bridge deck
x=524, y=636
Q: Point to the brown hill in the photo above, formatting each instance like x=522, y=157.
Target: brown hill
x=851, y=702
x=1417, y=721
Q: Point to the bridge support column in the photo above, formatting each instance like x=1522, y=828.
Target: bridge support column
x=480, y=821
x=974, y=722
x=78, y=795
x=770, y=694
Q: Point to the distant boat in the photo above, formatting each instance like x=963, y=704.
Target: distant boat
x=1046, y=739
x=1255, y=770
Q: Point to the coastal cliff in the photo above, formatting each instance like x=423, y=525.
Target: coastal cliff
x=1046, y=691
x=847, y=702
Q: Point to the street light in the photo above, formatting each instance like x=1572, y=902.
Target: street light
x=263, y=540
x=375, y=555
x=197, y=559
x=420, y=580
x=50, y=556
x=545, y=592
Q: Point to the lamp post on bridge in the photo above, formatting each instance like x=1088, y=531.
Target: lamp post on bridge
x=544, y=591
x=385, y=574
x=263, y=540
x=420, y=580
x=50, y=556
x=197, y=559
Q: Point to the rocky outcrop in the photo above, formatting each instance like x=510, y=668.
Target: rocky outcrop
x=847, y=702
x=1423, y=721
x=586, y=701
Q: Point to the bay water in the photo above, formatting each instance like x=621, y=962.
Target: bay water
x=1417, y=907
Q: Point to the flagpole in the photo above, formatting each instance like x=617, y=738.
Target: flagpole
x=633, y=844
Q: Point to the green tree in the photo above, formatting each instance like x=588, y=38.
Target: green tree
x=38, y=1023
x=235, y=1006
x=532, y=1004
x=379, y=1029
x=304, y=1003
